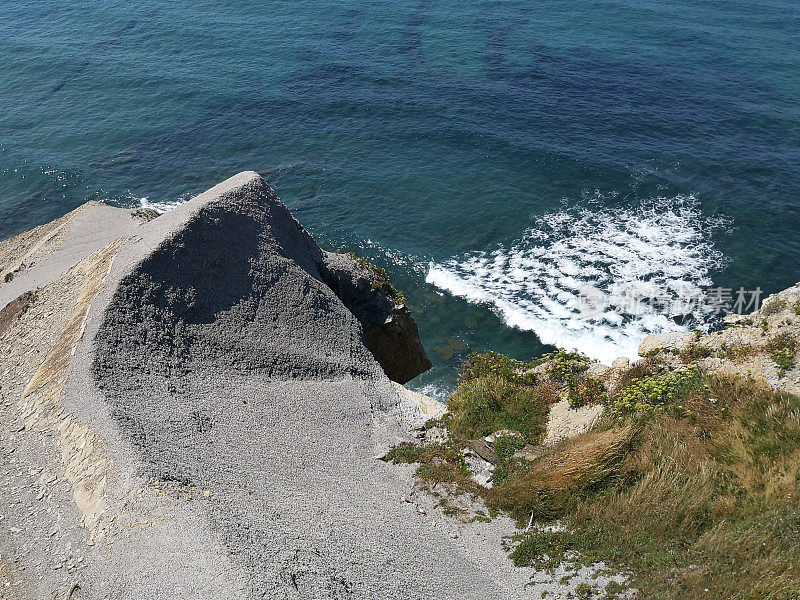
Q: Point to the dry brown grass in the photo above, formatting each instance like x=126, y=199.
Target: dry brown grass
x=740, y=352
x=706, y=502
x=581, y=463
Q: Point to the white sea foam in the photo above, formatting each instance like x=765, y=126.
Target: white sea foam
x=160, y=207
x=579, y=276
x=432, y=390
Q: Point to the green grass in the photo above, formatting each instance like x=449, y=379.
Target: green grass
x=698, y=501
x=496, y=393
x=508, y=467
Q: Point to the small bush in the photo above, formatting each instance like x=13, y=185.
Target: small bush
x=506, y=446
x=694, y=352
x=585, y=591
x=781, y=350
x=492, y=364
x=585, y=390
x=542, y=549
x=658, y=392
x=563, y=366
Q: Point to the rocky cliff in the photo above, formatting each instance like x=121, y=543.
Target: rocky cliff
x=192, y=406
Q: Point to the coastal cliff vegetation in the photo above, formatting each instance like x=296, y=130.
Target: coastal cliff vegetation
x=689, y=482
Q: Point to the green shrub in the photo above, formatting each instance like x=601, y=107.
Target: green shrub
x=657, y=392
x=489, y=403
x=586, y=389
x=585, y=591
x=694, y=352
x=781, y=350
x=564, y=366
x=493, y=364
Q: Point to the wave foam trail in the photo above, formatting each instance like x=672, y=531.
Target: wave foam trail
x=598, y=281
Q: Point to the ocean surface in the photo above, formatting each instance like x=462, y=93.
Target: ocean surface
x=520, y=168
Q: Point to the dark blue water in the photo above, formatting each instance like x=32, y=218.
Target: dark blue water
x=621, y=143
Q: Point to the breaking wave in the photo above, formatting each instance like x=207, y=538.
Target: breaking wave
x=600, y=280
x=160, y=207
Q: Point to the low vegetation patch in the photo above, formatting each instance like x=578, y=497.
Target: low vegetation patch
x=739, y=352
x=508, y=466
x=492, y=364
x=565, y=366
x=781, y=349
x=570, y=369
x=694, y=352
x=657, y=392
x=382, y=283
x=498, y=393
x=586, y=390
x=438, y=464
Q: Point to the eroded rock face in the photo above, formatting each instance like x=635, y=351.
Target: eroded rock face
x=389, y=330
x=395, y=345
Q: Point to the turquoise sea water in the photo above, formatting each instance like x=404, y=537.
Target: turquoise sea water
x=496, y=157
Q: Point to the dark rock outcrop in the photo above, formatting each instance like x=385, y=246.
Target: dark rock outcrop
x=389, y=331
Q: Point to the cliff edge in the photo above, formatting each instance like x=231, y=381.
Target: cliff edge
x=192, y=407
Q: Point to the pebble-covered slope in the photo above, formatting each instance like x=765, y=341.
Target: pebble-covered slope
x=216, y=401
